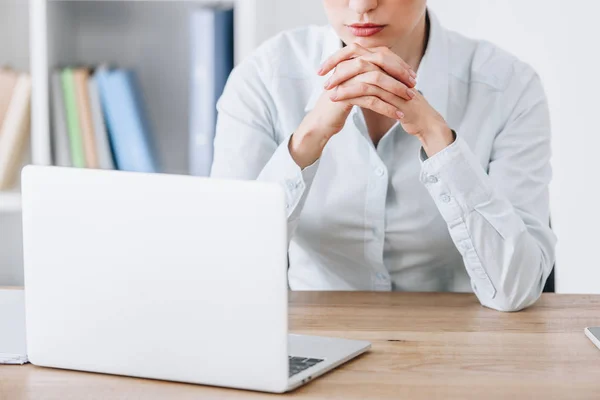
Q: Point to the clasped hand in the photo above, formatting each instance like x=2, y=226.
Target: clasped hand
x=375, y=79
x=379, y=80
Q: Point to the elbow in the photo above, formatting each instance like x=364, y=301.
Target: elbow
x=514, y=298
x=520, y=285
x=510, y=305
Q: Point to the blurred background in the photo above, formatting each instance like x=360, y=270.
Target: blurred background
x=72, y=67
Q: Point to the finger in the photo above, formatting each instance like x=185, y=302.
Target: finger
x=347, y=53
x=348, y=70
x=391, y=65
x=376, y=104
x=353, y=89
x=386, y=50
x=387, y=83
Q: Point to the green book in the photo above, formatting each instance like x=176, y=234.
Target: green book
x=73, y=124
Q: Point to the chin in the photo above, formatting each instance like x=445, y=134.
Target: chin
x=369, y=42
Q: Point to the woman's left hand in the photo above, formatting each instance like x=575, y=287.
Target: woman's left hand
x=355, y=77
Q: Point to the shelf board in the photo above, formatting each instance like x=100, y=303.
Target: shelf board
x=10, y=202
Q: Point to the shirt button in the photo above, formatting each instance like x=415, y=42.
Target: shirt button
x=381, y=276
x=432, y=179
x=291, y=185
x=379, y=171
x=445, y=198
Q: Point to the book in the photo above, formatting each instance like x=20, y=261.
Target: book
x=14, y=132
x=13, y=347
x=8, y=80
x=80, y=77
x=211, y=31
x=125, y=119
x=105, y=158
x=73, y=124
x=60, y=137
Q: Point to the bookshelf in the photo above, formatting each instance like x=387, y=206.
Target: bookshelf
x=149, y=36
x=14, y=52
x=10, y=202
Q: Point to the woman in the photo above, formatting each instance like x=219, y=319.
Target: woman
x=412, y=158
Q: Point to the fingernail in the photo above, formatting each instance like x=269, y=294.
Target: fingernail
x=412, y=81
x=412, y=73
x=326, y=83
x=411, y=93
x=320, y=71
x=400, y=114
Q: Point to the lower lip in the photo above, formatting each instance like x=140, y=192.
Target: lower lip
x=367, y=31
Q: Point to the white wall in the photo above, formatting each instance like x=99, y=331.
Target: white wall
x=557, y=38
x=274, y=16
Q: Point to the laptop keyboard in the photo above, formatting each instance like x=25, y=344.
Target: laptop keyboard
x=299, y=364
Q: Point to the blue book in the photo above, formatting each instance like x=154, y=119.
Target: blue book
x=211, y=31
x=126, y=123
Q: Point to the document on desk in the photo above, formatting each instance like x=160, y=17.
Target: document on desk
x=12, y=327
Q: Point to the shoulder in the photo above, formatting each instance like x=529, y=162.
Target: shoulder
x=294, y=53
x=479, y=62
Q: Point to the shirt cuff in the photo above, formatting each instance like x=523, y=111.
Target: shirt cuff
x=296, y=182
x=455, y=180
x=424, y=155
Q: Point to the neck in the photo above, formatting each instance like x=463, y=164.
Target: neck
x=411, y=48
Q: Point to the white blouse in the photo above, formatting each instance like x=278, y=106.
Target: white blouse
x=473, y=217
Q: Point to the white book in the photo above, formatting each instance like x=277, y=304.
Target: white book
x=61, y=152
x=13, y=348
x=14, y=132
x=102, y=143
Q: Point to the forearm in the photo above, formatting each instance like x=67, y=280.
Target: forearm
x=506, y=262
x=508, y=253
x=294, y=180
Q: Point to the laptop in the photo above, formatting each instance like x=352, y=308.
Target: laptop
x=165, y=277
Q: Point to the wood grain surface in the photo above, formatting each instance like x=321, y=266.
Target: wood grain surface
x=425, y=345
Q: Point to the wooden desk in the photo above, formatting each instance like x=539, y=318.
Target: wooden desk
x=424, y=346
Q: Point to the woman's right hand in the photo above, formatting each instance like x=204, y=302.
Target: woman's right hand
x=325, y=120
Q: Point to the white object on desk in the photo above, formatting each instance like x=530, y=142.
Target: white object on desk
x=164, y=277
x=594, y=335
x=12, y=327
